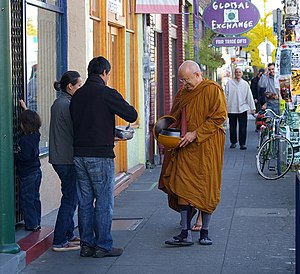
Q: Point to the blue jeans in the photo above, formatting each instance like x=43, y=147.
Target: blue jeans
x=64, y=226
x=30, y=199
x=95, y=187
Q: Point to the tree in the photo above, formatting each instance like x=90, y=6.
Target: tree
x=208, y=55
x=258, y=35
x=31, y=29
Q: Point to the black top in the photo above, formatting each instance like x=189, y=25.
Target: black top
x=93, y=108
x=27, y=158
x=257, y=91
x=254, y=87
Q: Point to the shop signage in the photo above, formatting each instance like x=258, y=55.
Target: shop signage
x=114, y=6
x=231, y=41
x=230, y=17
x=157, y=6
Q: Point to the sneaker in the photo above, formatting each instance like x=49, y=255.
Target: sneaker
x=100, y=252
x=67, y=247
x=87, y=251
x=233, y=146
x=75, y=241
x=243, y=147
x=33, y=229
x=180, y=241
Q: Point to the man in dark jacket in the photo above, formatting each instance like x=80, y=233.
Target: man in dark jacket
x=93, y=108
x=255, y=88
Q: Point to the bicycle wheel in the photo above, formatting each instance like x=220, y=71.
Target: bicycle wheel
x=274, y=158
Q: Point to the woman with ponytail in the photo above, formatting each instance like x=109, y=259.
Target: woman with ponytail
x=61, y=158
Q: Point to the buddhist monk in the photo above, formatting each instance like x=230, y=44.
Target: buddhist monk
x=192, y=173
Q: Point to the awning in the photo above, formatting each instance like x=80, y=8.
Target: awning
x=157, y=6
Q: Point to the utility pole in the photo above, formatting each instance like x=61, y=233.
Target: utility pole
x=7, y=212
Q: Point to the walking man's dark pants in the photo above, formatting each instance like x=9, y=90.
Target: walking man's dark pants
x=241, y=118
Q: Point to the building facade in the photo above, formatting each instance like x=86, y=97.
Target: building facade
x=49, y=37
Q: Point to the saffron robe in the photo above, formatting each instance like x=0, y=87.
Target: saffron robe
x=194, y=172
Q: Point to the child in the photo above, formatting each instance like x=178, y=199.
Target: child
x=28, y=169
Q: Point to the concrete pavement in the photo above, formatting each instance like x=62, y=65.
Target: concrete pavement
x=253, y=228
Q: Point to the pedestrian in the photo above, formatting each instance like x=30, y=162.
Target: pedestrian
x=239, y=102
x=192, y=173
x=28, y=168
x=61, y=158
x=93, y=109
x=255, y=89
x=271, y=94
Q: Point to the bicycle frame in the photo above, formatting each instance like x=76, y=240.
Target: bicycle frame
x=273, y=147
x=274, y=130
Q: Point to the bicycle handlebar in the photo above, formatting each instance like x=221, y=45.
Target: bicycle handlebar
x=276, y=115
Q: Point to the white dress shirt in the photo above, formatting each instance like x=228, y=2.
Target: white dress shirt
x=239, y=96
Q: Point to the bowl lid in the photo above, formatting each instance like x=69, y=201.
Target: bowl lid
x=162, y=123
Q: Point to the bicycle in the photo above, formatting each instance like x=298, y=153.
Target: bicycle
x=275, y=154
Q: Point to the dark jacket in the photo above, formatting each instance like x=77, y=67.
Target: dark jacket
x=93, y=108
x=257, y=91
x=254, y=87
x=27, y=158
x=61, y=132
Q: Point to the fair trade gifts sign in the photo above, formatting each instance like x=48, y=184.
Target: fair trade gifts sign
x=231, y=17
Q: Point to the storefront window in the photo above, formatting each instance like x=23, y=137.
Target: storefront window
x=42, y=51
x=94, y=8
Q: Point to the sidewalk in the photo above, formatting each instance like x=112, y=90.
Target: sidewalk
x=252, y=228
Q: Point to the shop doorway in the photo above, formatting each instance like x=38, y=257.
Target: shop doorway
x=114, y=57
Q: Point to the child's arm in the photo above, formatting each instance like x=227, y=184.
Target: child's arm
x=23, y=105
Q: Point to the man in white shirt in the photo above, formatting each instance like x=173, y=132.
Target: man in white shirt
x=239, y=101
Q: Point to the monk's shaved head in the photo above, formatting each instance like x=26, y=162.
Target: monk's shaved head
x=188, y=66
x=189, y=74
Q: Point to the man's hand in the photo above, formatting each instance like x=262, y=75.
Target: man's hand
x=266, y=71
x=188, y=138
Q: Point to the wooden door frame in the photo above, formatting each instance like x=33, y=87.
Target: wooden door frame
x=102, y=28
x=120, y=85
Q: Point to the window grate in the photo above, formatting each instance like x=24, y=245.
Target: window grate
x=17, y=45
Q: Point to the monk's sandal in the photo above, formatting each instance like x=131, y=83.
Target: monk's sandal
x=204, y=240
x=180, y=241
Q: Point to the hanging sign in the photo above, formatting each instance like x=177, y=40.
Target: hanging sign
x=231, y=17
x=231, y=41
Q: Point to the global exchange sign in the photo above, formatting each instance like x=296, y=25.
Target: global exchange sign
x=231, y=17
x=231, y=41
